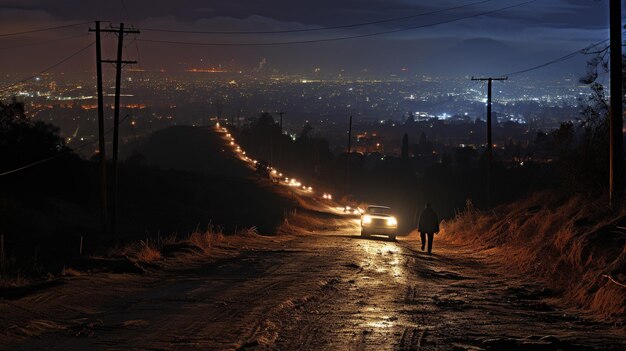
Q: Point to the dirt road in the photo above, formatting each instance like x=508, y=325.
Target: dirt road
x=313, y=292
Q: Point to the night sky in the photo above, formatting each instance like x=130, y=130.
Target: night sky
x=495, y=43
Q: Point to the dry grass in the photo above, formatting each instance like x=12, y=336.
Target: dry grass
x=301, y=221
x=69, y=272
x=148, y=252
x=570, y=242
x=252, y=231
x=151, y=250
x=207, y=239
x=14, y=281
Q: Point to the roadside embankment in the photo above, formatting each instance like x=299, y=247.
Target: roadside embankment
x=577, y=246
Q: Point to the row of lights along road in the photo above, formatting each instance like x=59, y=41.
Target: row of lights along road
x=278, y=176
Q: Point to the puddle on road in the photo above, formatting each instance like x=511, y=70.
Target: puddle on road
x=380, y=285
x=383, y=258
x=384, y=321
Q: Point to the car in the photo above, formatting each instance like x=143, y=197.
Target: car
x=262, y=169
x=379, y=220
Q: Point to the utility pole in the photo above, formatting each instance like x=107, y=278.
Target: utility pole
x=489, y=138
x=281, y=113
x=349, y=156
x=121, y=32
x=616, y=123
x=280, y=139
x=104, y=218
x=272, y=150
x=218, y=108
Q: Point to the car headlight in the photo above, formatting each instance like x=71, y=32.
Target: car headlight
x=367, y=219
x=392, y=222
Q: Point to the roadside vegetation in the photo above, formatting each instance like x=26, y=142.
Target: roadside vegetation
x=574, y=245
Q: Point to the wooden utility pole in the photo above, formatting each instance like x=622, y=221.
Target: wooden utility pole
x=1, y=253
x=218, y=109
x=616, y=121
x=489, y=137
x=121, y=32
x=281, y=113
x=271, y=137
x=118, y=62
x=104, y=218
x=349, y=156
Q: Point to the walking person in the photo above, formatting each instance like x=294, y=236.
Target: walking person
x=428, y=225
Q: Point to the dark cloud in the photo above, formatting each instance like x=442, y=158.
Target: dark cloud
x=310, y=12
x=537, y=31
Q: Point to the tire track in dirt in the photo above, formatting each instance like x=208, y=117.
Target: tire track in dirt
x=327, y=292
x=199, y=325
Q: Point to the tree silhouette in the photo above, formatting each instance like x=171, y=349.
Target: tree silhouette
x=424, y=147
x=405, y=147
x=23, y=141
x=304, y=133
x=264, y=136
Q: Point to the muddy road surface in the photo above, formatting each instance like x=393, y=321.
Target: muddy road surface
x=305, y=292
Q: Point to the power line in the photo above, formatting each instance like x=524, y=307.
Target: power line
x=42, y=29
x=48, y=68
x=337, y=38
x=141, y=69
x=557, y=60
x=560, y=59
x=125, y=10
x=42, y=42
x=318, y=29
x=57, y=155
x=31, y=165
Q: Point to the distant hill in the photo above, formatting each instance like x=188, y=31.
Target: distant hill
x=198, y=180
x=475, y=57
x=196, y=149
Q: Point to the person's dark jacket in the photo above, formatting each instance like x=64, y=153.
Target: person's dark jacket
x=429, y=222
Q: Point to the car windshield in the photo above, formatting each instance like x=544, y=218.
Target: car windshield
x=378, y=210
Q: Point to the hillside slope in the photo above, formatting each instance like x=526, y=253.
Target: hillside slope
x=577, y=247
x=190, y=178
x=181, y=180
x=192, y=149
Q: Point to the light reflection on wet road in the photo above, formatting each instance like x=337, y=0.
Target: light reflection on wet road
x=313, y=292
x=383, y=276
x=395, y=297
